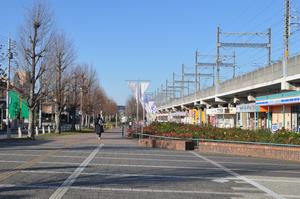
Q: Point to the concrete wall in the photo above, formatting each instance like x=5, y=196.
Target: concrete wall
x=274, y=152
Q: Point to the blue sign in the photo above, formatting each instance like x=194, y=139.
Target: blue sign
x=275, y=127
x=279, y=101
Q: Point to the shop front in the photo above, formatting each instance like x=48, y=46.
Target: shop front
x=247, y=115
x=222, y=117
x=282, y=110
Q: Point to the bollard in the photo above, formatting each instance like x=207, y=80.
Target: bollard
x=19, y=132
x=49, y=130
x=43, y=129
x=36, y=131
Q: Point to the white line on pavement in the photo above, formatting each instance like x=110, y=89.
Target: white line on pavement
x=147, y=159
x=122, y=189
x=59, y=193
x=161, y=176
x=152, y=159
x=12, y=161
x=255, y=184
x=146, y=154
x=244, y=188
x=153, y=166
x=126, y=175
x=131, y=190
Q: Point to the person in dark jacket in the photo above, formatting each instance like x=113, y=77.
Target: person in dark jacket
x=99, y=125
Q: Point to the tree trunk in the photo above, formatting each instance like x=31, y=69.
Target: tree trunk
x=31, y=123
x=88, y=121
x=82, y=120
x=57, y=122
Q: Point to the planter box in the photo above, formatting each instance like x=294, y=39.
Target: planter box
x=180, y=145
x=261, y=151
x=147, y=143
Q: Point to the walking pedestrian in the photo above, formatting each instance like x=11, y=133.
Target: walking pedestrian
x=99, y=125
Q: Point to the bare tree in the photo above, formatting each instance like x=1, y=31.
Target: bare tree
x=63, y=56
x=35, y=39
x=73, y=94
x=130, y=108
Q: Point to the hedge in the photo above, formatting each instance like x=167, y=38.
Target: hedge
x=170, y=129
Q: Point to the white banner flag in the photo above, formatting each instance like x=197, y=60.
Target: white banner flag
x=134, y=89
x=143, y=88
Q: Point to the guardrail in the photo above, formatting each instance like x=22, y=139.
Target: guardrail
x=197, y=140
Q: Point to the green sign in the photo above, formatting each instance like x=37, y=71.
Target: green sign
x=18, y=107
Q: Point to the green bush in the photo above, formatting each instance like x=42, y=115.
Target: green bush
x=235, y=134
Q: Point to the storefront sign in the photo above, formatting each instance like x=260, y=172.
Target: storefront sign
x=232, y=110
x=246, y=108
x=179, y=114
x=219, y=111
x=291, y=100
x=275, y=127
x=215, y=111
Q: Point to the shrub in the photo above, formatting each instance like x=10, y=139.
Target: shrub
x=170, y=129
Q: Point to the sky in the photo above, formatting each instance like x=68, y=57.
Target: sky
x=151, y=39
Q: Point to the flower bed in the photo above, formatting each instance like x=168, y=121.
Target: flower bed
x=235, y=134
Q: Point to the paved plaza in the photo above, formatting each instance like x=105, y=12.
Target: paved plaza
x=79, y=166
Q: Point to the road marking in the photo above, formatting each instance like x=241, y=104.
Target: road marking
x=240, y=182
x=154, y=166
x=129, y=175
x=255, y=184
x=59, y=193
x=245, y=188
x=146, y=159
x=220, y=180
x=12, y=161
x=17, y=154
x=146, y=154
x=122, y=189
x=110, y=158
x=151, y=159
x=130, y=190
x=276, y=180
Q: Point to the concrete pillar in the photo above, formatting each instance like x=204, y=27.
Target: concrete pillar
x=255, y=120
x=268, y=118
x=283, y=116
x=237, y=119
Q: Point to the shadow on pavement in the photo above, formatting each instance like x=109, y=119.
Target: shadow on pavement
x=8, y=143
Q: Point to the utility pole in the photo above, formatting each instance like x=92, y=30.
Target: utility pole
x=286, y=36
x=196, y=72
x=266, y=45
x=174, y=94
x=182, y=81
x=218, y=62
x=10, y=57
